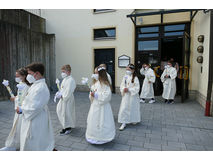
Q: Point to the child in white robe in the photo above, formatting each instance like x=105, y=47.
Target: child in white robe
x=100, y=121
x=147, y=91
x=36, y=129
x=130, y=104
x=169, y=84
x=13, y=140
x=66, y=105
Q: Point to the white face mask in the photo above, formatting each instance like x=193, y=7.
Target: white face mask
x=168, y=66
x=18, y=80
x=63, y=75
x=95, y=76
x=30, y=78
x=146, y=68
x=128, y=72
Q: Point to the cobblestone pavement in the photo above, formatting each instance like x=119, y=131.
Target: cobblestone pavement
x=176, y=127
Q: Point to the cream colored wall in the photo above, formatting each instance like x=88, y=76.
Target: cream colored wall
x=148, y=20
x=176, y=17
x=200, y=26
x=73, y=29
x=75, y=45
x=167, y=18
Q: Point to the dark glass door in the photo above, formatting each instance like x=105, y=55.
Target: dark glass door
x=147, y=51
x=106, y=56
x=185, y=67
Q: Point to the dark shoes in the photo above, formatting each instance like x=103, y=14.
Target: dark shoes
x=171, y=101
x=65, y=131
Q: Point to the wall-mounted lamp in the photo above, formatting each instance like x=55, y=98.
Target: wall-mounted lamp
x=200, y=59
x=200, y=38
x=200, y=49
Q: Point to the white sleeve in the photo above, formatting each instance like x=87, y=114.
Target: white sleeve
x=68, y=89
x=163, y=76
x=152, y=76
x=35, y=103
x=122, y=86
x=142, y=71
x=173, y=74
x=104, y=96
x=136, y=87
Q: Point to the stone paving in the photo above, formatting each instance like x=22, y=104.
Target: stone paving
x=176, y=127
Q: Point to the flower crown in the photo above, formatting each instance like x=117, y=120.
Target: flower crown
x=101, y=68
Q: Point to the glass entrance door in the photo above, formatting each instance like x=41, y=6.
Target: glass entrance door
x=158, y=44
x=184, y=71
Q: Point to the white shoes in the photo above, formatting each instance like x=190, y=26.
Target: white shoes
x=142, y=101
x=122, y=127
x=67, y=132
x=134, y=123
x=152, y=101
x=8, y=149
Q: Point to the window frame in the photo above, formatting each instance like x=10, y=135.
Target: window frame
x=104, y=38
x=103, y=11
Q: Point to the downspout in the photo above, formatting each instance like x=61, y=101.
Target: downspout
x=210, y=78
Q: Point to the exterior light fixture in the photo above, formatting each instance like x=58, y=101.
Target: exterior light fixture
x=200, y=38
x=200, y=59
x=200, y=49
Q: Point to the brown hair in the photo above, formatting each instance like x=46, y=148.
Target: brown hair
x=66, y=67
x=36, y=67
x=132, y=67
x=146, y=64
x=172, y=62
x=23, y=72
x=103, y=76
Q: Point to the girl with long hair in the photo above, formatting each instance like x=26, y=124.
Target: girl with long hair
x=100, y=121
x=130, y=104
x=13, y=140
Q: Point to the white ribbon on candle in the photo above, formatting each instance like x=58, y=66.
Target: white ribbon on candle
x=6, y=84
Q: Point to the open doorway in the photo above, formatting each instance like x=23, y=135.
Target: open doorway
x=106, y=56
x=172, y=47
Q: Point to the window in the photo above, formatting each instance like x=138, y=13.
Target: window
x=148, y=45
x=146, y=32
x=149, y=29
x=103, y=10
x=174, y=30
x=174, y=27
x=148, y=35
x=107, y=33
x=173, y=34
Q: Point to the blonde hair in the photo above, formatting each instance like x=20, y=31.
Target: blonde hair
x=66, y=67
x=103, y=76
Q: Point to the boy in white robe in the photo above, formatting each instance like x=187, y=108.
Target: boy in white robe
x=147, y=91
x=36, y=130
x=129, y=111
x=13, y=140
x=100, y=121
x=169, y=83
x=66, y=105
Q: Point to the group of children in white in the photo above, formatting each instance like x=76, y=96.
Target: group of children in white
x=32, y=127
